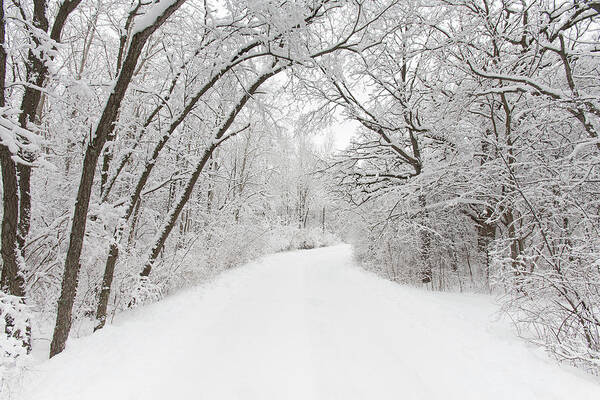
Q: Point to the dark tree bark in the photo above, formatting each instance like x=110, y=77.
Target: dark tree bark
x=112, y=136
x=37, y=73
x=109, y=271
x=426, y=272
x=103, y=130
x=134, y=222
x=106, y=160
x=486, y=233
x=11, y=280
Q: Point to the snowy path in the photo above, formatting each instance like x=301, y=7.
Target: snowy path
x=307, y=325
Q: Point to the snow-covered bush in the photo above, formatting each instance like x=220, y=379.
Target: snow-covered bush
x=286, y=237
x=15, y=325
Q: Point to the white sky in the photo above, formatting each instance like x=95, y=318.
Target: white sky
x=338, y=135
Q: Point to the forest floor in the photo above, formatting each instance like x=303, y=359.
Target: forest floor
x=306, y=325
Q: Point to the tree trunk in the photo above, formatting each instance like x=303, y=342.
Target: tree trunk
x=37, y=72
x=12, y=278
x=134, y=221
x=107, y=279
x=106, y=160
x=72, y=265
x=426, y=272
x=486, y=233
x=24, y=203
x=515, y=252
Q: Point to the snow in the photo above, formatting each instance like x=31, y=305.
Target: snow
x=557, y=94
x=150, y=17
x=307, y=325
x=581, y=146
x=12, y=135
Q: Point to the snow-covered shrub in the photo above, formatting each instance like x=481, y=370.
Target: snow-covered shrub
x=551, y=289
x=437, y=248
x=286, y=237
x=15, y=322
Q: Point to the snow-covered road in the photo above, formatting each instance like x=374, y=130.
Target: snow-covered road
x=306, y=325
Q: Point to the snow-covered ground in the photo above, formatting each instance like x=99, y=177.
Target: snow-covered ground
x=306, y=325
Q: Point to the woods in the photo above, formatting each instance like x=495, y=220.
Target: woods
x=115, y=97
x=478, y=161
x=147, y=146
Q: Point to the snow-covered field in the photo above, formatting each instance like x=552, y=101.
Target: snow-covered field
x=306, y=325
